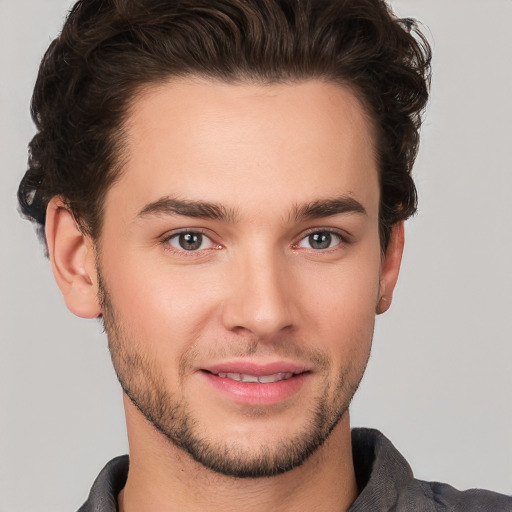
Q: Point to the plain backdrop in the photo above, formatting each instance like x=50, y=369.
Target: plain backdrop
x=439, y=383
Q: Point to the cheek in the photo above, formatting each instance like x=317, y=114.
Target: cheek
x=159, y=308
x=349, y=290
x=342, y=305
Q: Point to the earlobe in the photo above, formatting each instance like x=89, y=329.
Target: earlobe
x=390, y=267
x=73, y=260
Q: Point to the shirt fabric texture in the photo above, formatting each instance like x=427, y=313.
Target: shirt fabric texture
x=384, y=477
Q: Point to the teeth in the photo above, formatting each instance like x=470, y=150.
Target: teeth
x=262, y=379
x=274, y=378
x=248, y=378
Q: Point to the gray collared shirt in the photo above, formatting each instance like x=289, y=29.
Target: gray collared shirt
x=385, y=480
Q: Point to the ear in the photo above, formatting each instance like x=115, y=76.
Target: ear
x=73, y=260
x=390, y=267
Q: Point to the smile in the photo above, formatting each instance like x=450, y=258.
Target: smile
x=256, y=379
x=255, y=385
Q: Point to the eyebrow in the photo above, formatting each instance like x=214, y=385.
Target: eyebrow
x=214, y=211
x=327, y=208
x=187, y=208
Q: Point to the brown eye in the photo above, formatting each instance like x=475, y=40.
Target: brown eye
x=190, y=241
x=320, y=240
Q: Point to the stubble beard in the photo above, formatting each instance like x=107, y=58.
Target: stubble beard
x=144, y=385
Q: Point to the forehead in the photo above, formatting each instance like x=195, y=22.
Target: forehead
x=246, y=144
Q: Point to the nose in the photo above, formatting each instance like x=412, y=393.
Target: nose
x=260, y=297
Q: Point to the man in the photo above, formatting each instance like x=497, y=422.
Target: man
x=225, y=184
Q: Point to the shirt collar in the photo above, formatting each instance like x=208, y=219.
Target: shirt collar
x=381, y=474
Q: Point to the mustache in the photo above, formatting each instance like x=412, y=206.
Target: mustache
x=286, y=348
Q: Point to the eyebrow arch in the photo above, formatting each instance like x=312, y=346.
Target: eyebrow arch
x=328, y=207
x=198, y=209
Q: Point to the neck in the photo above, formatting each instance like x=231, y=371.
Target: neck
x=162, y=477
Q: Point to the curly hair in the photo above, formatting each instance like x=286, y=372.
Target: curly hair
x=109, y=50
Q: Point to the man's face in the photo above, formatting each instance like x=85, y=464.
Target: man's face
x=240, y=265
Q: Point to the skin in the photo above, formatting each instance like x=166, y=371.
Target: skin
x=258, y=290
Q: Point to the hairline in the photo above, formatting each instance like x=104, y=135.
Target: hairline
x=120, y=148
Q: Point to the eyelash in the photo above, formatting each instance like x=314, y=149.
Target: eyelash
x=343, y=241
x=196, y=231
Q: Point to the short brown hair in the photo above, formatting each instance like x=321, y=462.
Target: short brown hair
x=109, y=49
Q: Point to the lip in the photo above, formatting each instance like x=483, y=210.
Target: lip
x=256, y=393
x=257, y=369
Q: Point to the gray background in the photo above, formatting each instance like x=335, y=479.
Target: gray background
x=439, y=383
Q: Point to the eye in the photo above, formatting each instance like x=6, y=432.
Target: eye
x=321, y=240
x=190, y=241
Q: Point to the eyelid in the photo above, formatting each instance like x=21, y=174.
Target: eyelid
x=345, y=238
x=164, y=240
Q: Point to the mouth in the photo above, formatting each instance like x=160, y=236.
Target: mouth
x=252, y=384
x=255, y=379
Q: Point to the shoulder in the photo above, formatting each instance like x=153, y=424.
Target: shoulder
x=387, y=483
x=421, y=496
x=447, y=498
